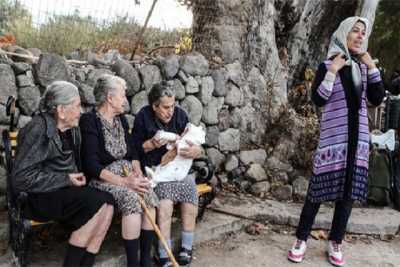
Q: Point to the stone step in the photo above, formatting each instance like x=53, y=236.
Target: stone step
x=370, y=221
x=213, y=226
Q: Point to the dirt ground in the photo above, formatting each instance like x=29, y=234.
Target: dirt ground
x=269, y=249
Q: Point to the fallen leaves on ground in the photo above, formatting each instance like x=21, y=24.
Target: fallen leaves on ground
x=255, y=228
x=319, y=235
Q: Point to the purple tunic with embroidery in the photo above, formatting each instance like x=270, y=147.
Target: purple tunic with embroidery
x=340, y=166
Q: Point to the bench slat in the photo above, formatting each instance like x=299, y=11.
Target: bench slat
x=203, y=189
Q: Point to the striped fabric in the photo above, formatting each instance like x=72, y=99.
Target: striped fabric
x=330, y=160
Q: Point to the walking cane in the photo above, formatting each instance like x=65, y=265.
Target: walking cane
x=153, y=223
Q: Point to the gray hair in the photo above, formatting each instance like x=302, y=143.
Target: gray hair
x=58, y=93
x=158, y=91
x=105, y=85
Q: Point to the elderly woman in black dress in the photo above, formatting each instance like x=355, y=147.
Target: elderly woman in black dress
x=107, y=149
x=162, y=114
x=47, y=168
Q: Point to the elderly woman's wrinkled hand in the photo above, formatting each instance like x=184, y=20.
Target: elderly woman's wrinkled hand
x=337, y=64
x=157, y=143
x=367, y=60
x=139, y=184
x=190, y=152
x=77, y=179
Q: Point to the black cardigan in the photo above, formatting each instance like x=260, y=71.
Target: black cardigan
x=94, y=155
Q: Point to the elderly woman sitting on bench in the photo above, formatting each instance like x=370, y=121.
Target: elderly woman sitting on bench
x=47, y=167
x=163, y=114
x=107, y=151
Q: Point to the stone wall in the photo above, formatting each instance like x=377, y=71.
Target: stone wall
x=222, y=99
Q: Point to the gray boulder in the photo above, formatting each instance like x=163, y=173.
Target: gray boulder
x=275, y=164
x=235, y=73
x=112, y=56
x=235, y=118
x=300, y=187
x=7, y=82
x=178, y=88
x=126, y=71
x=79, y=74
x=139, y=101
x=151, y=75
x=25, y=80
x=282, y=192
x=224, y=119
x=4, y=119
x=234, y=95
x=193, y=108
x=94, y=74
x=21, y=67
x=253, y=156
x=169, y=66
x=231, y=163
x=220, y=78
x=216, y=157
x=29, y=99
x=182, y=77
x=260, y=188
x=256, y=82
x=229, y=140
x=206, y=90
x=280, y=177
x=194, y=64
x=256, y=173
x=51, y=67
x=192, y=86
x=210, y=112
x=212, y=136
x=86, y=93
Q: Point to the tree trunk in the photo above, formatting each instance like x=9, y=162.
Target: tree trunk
x=273, y=41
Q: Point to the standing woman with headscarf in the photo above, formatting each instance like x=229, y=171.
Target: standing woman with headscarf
x=342, y=85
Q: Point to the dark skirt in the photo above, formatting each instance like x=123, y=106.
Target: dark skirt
x=184, y=191
x=71, y=206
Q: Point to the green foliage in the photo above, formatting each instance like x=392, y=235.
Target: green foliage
x=64, y=33
x=385, y=39
x=9, y=10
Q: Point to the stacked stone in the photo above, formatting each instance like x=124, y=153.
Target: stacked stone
x=223, y=100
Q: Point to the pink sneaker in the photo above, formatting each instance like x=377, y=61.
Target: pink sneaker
x=335, y=254
x=297, y=252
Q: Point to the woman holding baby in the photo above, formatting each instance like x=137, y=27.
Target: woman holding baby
x=162, y=114
x=107, y=149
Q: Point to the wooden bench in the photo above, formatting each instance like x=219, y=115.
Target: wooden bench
x=21, y=229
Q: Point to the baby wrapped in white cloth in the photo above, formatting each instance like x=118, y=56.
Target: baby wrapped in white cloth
x=178, y=168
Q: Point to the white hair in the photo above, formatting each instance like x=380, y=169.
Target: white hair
x=58, y=93
x=106, y=84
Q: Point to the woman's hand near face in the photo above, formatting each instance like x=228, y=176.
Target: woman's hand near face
x=77, y=179
x=338, y=62
x=367, y=60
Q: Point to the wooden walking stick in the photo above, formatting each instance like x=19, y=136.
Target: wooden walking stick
x=153, y=223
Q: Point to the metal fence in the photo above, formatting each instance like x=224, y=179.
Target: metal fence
x=63, y=25
x=100, y=12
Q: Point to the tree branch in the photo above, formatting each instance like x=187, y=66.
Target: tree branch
x=140, y=37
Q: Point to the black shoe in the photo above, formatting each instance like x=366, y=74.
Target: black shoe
x=185, y=257
x=165, y=262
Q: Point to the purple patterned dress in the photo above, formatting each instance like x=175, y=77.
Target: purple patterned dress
x=340, y=166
